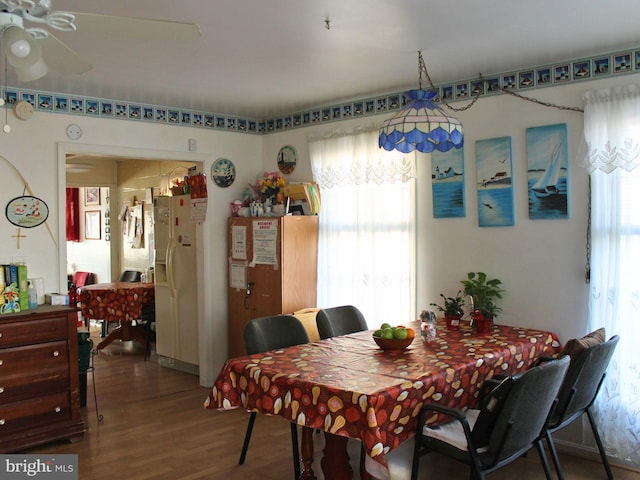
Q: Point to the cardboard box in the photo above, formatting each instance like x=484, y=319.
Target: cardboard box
x=56, y=298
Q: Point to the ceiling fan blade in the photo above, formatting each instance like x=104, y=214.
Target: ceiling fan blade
x=61, y=58
x=143, y=28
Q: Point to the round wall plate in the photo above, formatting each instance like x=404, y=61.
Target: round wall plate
x=287, y=158
x=27, y=211
x=223, y=172
x=74, y=132
x=23, y=110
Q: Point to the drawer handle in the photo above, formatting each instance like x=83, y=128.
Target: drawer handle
x=57, y=409
x=2, y=421
x=1, y=389
x=1, y=362
x=0, y=334
x=56, y=353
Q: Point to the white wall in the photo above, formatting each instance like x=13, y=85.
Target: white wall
x=37, y=148
x=541, y=262
x=91, y=255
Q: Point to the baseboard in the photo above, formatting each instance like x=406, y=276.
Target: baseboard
x=178, y=365
x=588, y=453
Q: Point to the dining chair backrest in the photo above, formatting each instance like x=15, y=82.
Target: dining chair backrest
x=582, y=382
x=130, y=276
x=526, y=409
x=81, y=279
x=336, y=321
x=273, y=332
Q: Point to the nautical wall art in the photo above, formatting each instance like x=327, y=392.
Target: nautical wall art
x=494, y=182
x=547, y=173
x=447, y=183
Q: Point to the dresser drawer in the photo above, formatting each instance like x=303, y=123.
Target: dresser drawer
x=34, y=412
x=34, y=331
x=41, y=357
x=33, y=384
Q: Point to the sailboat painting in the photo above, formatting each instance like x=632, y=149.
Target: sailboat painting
x=447, y=183
x=547, y=171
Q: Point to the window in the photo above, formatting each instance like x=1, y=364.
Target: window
x=366, y=254
x=612, y=134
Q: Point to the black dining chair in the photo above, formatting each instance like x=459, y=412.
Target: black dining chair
x=512, y=420
x=336, y=321
x=130, y=276
x=148, y=320
x=577, y=394
x=270, y=333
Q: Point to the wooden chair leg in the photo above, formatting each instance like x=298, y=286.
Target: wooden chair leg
x=296, y=451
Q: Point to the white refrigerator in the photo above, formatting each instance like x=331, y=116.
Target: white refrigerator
x=175, y=283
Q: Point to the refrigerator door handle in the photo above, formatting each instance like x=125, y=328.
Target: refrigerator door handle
x=170, y=282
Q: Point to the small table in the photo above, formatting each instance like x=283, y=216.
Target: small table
x=350, y=388
x=117, y=302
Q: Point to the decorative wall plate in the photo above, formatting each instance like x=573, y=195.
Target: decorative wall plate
x=27, y=211
x=287, y=158
x=223, y=172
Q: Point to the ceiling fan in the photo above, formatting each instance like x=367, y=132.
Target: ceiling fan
x=26, y=48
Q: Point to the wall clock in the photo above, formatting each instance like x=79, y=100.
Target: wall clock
x=223, y=172
x=287, y=158
x=27, y=211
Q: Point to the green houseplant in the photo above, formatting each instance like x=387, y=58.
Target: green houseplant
x=484, y=292
x=452, y=309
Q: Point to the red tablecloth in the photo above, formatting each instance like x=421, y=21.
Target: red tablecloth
x=118, y=301
x=349, y=387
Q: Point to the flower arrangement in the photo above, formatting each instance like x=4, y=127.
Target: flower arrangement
x=270, y=185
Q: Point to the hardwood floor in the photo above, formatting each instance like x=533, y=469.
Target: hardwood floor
x=155, y=427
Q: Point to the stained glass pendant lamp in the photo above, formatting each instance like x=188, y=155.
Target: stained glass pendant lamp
x=421, y=124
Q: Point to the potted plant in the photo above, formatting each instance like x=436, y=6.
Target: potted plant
x=452, y=309
x=484, y=293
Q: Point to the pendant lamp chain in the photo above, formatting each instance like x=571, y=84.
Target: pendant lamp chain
x=423, y=67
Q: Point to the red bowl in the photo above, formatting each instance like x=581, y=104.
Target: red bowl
x=392, y=343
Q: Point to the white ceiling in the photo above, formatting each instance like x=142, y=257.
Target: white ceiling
x=263, y=58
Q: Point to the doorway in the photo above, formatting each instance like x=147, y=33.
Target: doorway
x=124, y=157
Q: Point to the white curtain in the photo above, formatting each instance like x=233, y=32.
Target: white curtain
x=612, y=134
x=366, y=254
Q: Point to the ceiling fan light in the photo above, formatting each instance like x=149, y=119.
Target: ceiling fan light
x=24, y=53
x=20, y=48
x=32, y=72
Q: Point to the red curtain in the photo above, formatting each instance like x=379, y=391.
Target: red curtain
x=73, y=215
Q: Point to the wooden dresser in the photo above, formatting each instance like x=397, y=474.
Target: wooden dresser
x=39, y=393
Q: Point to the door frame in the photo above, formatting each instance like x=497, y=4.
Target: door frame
x=203, y=236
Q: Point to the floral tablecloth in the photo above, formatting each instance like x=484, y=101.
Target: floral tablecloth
x=118, y=301
x=348, y=386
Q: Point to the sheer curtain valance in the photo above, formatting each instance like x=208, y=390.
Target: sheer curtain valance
x=611, y=119
x=366, y=240
x=354, y=158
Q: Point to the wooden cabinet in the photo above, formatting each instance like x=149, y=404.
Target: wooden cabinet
x=39, y=393
x=273, y=269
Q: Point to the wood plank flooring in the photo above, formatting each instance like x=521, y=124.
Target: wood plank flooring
x=155, y=427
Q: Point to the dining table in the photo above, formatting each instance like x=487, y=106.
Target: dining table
x=348, y=387
x=120, y=302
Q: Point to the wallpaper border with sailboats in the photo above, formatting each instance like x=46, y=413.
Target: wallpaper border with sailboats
x=547, y=172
